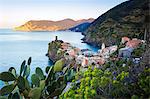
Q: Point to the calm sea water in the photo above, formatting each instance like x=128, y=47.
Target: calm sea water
x=16, y=46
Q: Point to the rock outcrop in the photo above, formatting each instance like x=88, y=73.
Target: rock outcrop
x=53, y=50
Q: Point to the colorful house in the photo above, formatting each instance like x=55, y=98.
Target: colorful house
x=125, y=39
x=130, y=46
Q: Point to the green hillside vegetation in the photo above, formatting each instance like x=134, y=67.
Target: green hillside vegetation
x=130, y=18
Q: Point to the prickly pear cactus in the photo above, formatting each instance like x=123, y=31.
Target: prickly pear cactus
x=40, y=86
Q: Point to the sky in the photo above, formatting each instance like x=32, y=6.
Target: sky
x=16, y=12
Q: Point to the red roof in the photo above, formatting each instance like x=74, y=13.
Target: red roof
x=133, y=43
x=124, y=39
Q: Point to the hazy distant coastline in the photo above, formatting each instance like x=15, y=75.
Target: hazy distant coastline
x=48, y=25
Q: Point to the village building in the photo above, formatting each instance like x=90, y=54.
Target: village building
x=125, y=52
x=130, y=46
x=106, y=52
x=85, y=57
x=124, y=40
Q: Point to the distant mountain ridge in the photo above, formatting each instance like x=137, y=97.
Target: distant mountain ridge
x=130, y=18
x=48, y=25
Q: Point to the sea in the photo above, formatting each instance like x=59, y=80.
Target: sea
x=17, y=46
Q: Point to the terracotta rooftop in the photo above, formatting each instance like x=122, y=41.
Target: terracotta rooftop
x=133, y=43
x=125, y=39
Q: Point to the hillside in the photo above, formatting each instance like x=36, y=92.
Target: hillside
x=81, y=27
x=48, y=25
x=130, y=18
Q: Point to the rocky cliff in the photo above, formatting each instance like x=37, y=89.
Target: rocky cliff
x=53, y=50
x=47, y=25
x=130, y=18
